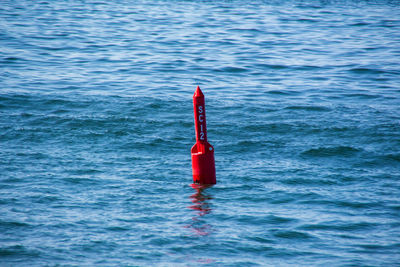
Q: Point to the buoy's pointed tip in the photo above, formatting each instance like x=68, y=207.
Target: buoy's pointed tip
x=198, y=92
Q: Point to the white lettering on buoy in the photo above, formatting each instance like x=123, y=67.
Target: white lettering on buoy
x=201, y=119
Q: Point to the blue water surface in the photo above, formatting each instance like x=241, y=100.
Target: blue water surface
x=96, y=126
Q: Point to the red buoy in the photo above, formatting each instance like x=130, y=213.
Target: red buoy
x=203, y=164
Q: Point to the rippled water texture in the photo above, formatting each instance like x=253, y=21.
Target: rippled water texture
x=96, y=126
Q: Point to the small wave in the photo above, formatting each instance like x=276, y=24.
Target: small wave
x=232, y=69
x=247, y=30
x=337, y=226
x=118, y=228
x=261, y=240
x=292, y=235
x=32, y=155
x=79, y=180
x=366, y=71
x=338, y=129
x=10, y=60
x=273, y=219
x=362, y=96
x=18, y=251
x=248, y=143
x=309, y=108
x=12, y=224
x=391, y=159
x=270, y=127
x=344, y=151
x=305, y=181
x=278, y=92
x=343, y=204
x=85, y=171
x=394, y=157
x=394, y=207
x=358, y=24
x=44, y=199
x=307, y=20
x=272, y=66
x=374, y=247
x=307, y=67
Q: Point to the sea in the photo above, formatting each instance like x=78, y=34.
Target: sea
x=96, y=126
